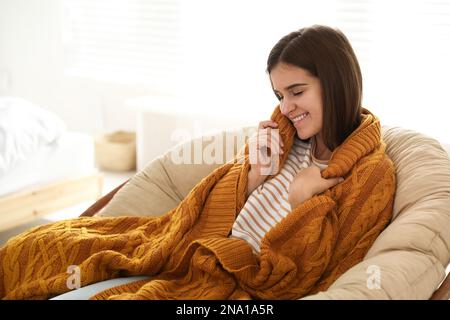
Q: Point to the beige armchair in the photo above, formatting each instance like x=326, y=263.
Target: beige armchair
x=408, y=259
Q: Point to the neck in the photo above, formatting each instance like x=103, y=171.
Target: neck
x=321, y=151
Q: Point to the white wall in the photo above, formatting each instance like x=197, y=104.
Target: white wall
x=31, y=57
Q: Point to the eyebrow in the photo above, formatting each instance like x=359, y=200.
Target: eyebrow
x=294, y=85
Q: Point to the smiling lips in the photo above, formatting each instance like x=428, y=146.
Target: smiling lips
x=300, y=117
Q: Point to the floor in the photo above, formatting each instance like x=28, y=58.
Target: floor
x=110, y=181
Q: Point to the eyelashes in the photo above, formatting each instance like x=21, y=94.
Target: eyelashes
x=294, y=94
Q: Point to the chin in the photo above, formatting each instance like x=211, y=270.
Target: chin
x=303, y=135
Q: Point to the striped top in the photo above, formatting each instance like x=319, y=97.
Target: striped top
x=268, y=204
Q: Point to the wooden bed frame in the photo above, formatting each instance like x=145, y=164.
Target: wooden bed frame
x=24, y=206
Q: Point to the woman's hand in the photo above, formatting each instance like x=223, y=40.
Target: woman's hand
x=307, y=183
x=264, y=148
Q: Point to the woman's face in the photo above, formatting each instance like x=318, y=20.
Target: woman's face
x=300, y=96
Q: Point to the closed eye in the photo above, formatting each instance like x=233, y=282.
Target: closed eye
x=279, y=97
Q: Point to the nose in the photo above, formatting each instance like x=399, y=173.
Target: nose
x=286, y=106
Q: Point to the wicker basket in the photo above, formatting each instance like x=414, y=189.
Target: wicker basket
x=116, y=151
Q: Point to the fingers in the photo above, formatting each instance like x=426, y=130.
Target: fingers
x=268, y=139
x=265, y=146
x=267, y=123
x=334, y=181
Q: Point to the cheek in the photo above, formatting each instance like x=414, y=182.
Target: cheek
x=318, y=117
x=316, y=108
x=316, y=111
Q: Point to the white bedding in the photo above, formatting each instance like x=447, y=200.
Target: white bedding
x=71, y=155
x=24, y=128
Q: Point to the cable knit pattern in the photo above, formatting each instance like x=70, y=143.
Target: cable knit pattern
x=188, y=252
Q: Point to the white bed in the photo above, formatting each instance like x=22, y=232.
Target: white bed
x=72, y=155
x=43, y=167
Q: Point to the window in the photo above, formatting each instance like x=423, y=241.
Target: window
x=125, y=41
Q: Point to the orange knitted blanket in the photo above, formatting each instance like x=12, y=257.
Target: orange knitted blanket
x=187, y=251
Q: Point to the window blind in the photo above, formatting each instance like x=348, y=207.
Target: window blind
x=356, y=19
x=403, y=48
x=132, y=41
x=405, y=27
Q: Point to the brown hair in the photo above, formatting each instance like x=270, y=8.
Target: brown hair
x=326, y=54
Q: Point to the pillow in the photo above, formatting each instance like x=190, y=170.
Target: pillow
x=24, y=128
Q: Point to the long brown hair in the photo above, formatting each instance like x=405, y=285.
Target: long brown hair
x=326, y=54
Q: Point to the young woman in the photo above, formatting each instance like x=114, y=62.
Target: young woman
x=316, y=77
